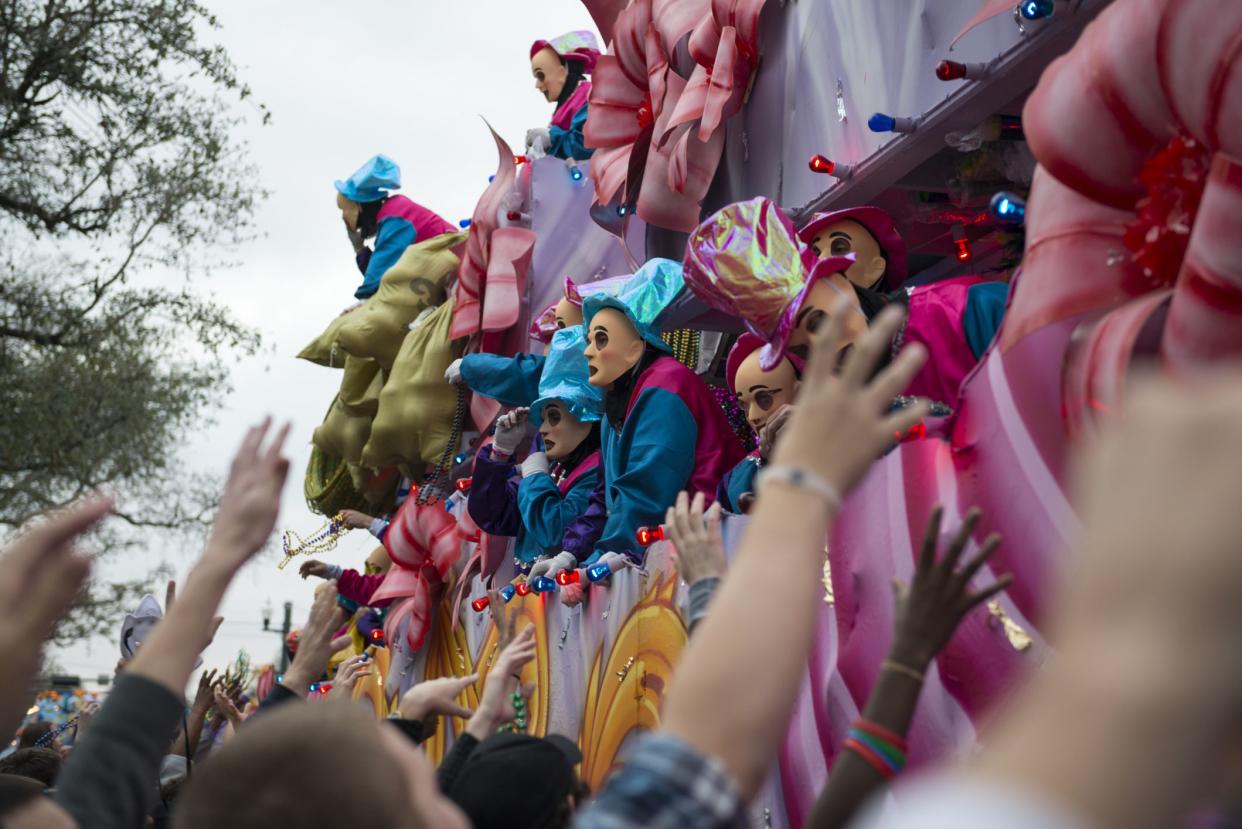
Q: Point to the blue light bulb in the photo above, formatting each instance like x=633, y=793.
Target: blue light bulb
x=1036, y=9
x=464, y=223
x=508, y=592
x=542, y=584
x=575, y=172
x=622, y=210
x=460, y=458
x=1009, y=208
x=879, y=122
x=490, y=179
x=598, y=572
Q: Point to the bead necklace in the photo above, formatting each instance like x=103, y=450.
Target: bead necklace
x=321, y=541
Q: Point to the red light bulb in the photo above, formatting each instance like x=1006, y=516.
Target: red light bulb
x=962, y=243
x=514, y=216
x=480, y=604
x=568, y=577
x=377, y=634
x=649, y=535
x=950, y=70
x=523, y=589
x=463, y=484
x=916, y=432
x=519, y=159
x=819, y=164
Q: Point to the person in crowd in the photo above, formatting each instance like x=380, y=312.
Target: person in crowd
x=24, y=806
x=699, y=548
x=354, y=586
x=42, y=764
x=560, y=67
x=539, y=506
x=369, y=209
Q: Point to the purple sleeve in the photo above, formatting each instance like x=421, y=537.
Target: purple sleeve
x=359, y=588
x=362, y=259
x=493, y=495
x=582, y=534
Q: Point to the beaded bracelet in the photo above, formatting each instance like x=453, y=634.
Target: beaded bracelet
x=519, y=712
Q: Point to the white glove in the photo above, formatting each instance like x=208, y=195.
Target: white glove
x=549, y=567
x=616, y=561
x=538, y=142
x=453, y=373
x=511, y=429
x=535, y=463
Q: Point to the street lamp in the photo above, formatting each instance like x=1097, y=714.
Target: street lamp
x=286, y=626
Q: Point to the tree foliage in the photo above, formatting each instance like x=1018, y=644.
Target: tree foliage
x=120, y=178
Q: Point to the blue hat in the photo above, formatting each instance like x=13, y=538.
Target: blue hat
x=565, y=378
x=371, y=181
x=643, y=299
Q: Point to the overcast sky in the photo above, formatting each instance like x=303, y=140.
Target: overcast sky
x=409, y=78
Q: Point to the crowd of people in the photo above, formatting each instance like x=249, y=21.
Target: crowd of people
x=1125, y=727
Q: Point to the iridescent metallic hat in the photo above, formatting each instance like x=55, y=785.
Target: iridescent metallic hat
x=880, y=225
x=643, y=298
x=746, y=261
x=544, y=325
x=746, y=345
x=578, y=45
x=565, y=378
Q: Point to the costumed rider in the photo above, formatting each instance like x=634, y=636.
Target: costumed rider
x=746, y=260
x=662, y=431
x=369, y=208
x=557, y=481
x=514, y=381
x=560, y=67
x=761, y=394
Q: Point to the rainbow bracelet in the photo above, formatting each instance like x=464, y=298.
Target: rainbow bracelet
x=893, y=757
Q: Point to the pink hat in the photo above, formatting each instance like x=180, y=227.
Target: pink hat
x=578, y=45
x=544, y=325
x=746, y=261
x=880, y=225
x=745, y=346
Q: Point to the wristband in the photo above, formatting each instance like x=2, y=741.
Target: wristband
x=800, y=477
x=870, y=756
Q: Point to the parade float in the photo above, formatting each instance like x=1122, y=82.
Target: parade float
x=1048, y=146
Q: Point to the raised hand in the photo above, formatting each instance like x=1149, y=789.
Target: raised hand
x=496, y=704
x=347, y=676
x=41, y=574
x=356, y=520
x=436, y=697
x=939, y=597
x=842, y=421
x=206, y=691
x=315, y=645
x=251, y=499
x=313, y=568
x=696, y=538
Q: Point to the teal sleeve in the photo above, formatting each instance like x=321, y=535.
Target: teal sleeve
x=394, y=236
x=546, y=514
x=651, y=464
x=570, y=143
x=511, y=381
x=985, y=308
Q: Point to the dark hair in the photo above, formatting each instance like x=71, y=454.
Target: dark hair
x=31, y=733
x=563, y=818
x=368, y=217
x=576, y=71
x=617, y=398
x=42, y=764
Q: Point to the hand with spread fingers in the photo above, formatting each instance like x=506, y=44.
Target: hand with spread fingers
x=842, y=422
x=315, y=645
x=696, y=538
x=251, y=499
x=940, y=596
x=42, y=572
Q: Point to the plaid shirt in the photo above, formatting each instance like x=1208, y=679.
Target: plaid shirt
x=666, y=784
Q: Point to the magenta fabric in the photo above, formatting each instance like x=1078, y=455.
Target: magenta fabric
x=360, y=588
x=589, y=463
x=935, y=320
x=426, y=223
x=564, y=115
x=718, y=449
